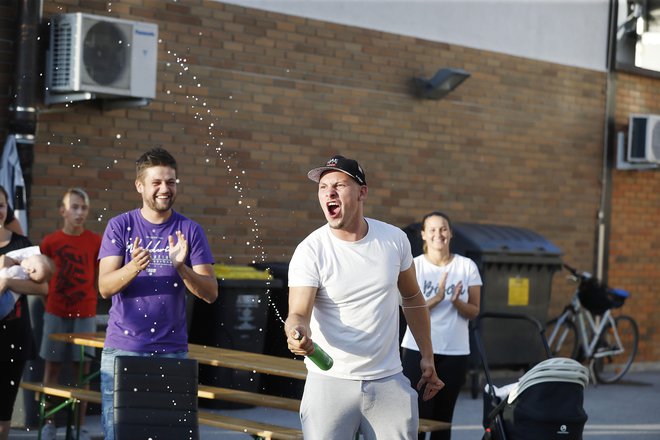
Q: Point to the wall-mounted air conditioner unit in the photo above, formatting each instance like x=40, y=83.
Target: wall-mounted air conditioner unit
x=647, y=51
x=92, y=56
x=643, y=139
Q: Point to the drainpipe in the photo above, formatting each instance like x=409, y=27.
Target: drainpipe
x=23, y=104
x=609, y=151
x=23, y=125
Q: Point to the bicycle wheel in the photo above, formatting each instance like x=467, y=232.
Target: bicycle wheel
x=565, y=341
x=610, y=368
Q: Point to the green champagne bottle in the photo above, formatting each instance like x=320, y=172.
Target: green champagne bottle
x=321, y=358
x=318, y=356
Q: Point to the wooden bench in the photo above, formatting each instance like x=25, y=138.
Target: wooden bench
x=63, y=391
x=247, y=398
x=258, y=429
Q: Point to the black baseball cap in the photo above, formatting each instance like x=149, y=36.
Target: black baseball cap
x=339, y=163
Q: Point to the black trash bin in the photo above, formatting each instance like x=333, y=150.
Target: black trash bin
x=516, y=267
x=275, y=337
x=238, y=321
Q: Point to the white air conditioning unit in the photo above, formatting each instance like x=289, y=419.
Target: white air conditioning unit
x=643, y=139
x=647, y=51
x=100, y=57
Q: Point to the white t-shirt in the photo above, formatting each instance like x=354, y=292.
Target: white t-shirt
x=356, y=310
x=449, y=330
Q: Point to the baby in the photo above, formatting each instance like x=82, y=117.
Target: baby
x=36, y=267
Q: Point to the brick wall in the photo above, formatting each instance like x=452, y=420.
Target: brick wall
x=249, y=100
x=7, y=49
x=634, y=236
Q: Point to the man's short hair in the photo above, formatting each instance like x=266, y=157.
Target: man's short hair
x=153, y=158
x=77, y=191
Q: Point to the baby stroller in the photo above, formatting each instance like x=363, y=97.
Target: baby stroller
x=545, y=404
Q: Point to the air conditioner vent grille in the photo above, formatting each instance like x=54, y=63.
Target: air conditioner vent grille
x=62, y=54
x=643, y=139
x=655, y=141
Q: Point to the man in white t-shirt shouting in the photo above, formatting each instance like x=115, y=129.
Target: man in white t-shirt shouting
x=346, y=282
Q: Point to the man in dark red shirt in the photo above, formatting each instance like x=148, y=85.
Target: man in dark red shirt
x=72, y=292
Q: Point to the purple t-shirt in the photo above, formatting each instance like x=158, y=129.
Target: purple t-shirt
x=149, y=315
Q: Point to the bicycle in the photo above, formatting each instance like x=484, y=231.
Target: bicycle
x=588, y=332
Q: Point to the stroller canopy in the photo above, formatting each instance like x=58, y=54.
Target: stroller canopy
x=551, y=370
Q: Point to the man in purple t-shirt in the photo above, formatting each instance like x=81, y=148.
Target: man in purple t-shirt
x=148, y=258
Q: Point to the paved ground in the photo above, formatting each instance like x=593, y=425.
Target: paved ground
x=627, y=410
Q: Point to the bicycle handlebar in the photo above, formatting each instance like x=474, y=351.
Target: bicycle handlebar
x=579, y=276
x=572, y=270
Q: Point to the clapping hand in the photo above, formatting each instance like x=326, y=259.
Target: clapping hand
x=140, y=257
x=178, y=251
x=458, y=288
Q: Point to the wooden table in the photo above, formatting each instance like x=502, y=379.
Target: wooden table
x=218, y=357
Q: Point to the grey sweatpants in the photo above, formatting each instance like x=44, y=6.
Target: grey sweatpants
x=380, y=409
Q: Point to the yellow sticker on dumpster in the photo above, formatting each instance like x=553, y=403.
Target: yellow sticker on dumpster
x=518, y=291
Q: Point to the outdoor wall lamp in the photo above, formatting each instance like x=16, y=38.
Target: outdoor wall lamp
x=443, y=82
